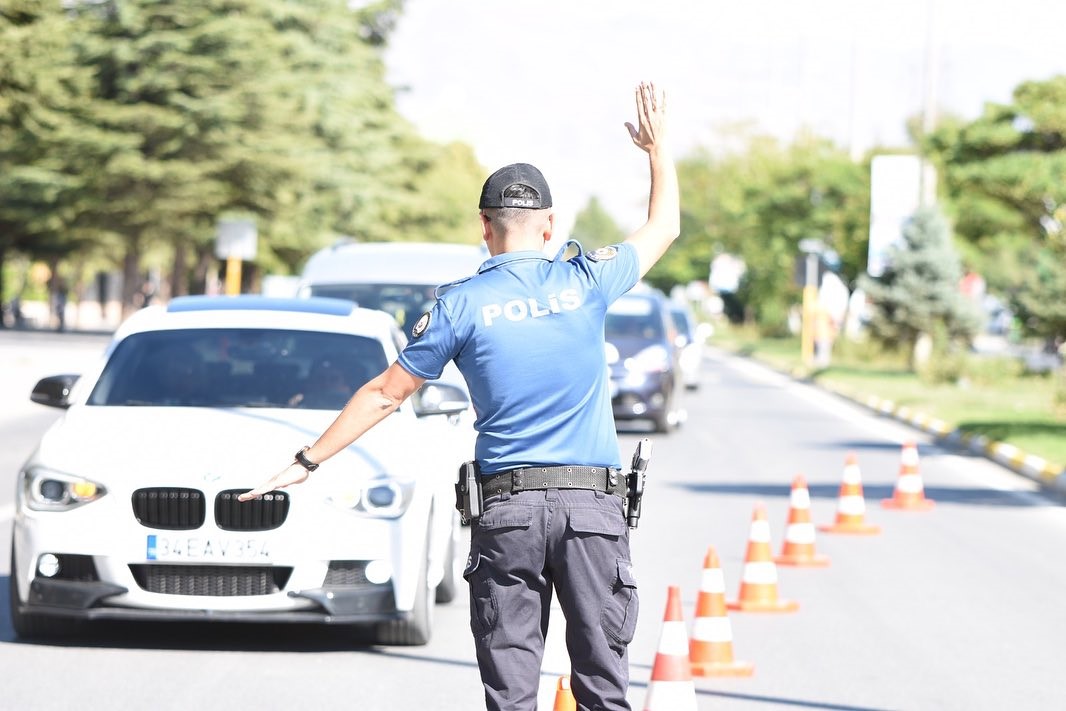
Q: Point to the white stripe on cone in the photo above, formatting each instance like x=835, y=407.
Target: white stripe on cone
x=760, y=572
x=909, y=483
x=712, y=580
x=760, y=532
x=800, y=533
x=852, y=505
x=671, y=696
x=852, y=474
x=712, y=629
x=800, y=498
x=674, y=639
x=909, y=456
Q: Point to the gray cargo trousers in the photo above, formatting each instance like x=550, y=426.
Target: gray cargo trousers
x=527, y=544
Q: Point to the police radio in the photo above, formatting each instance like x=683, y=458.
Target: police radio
x=635, y=481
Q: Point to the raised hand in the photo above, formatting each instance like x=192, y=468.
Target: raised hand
x=650, y=131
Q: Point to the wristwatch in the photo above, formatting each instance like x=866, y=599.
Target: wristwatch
x=303, y=461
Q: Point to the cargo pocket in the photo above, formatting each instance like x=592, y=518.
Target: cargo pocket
x=483, y=607
x=619, y=617
x=498, y=527
x=597, y=522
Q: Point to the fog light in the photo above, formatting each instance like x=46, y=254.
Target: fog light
x=378, y=572
x=48, y=565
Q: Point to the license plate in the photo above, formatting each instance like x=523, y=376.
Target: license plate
x=213, y=549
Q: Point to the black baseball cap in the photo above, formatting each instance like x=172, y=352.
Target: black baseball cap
x=517, y=185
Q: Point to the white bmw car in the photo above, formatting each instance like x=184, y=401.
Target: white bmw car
x=127, y=508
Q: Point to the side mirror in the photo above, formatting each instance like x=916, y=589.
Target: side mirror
x=54, y=390
x=440, y=399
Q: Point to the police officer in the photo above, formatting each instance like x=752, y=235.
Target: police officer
x=527, y=334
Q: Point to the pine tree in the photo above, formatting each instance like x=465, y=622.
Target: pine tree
x=918, y=293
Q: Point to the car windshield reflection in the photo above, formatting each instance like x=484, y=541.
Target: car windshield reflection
x=238, y=368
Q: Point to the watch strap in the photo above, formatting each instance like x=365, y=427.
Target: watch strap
x=303, y=461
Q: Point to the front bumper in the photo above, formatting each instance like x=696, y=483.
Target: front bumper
x=648, y=399
x=89, y=600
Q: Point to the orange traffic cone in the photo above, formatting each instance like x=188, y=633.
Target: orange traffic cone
x=909, y=493
x=799, y=533
x=711, y=648
x=851, y=505
x=758, y=584
x=564, y=697
x=671, y=687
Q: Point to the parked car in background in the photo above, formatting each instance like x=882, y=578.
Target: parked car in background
x=689, y=340
x=127, y=508
x=642, y=358
x=398, y=278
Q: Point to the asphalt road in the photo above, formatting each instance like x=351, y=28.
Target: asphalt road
x=957, y=608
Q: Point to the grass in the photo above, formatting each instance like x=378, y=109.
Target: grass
x=996, y=400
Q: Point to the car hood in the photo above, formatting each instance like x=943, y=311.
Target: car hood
x=232, y=448
x=629, y=346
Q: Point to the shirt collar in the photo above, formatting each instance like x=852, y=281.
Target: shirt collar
x=508, y=257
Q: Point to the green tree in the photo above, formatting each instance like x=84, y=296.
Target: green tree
x=594, y=227
x=918, y=293
x=41, y=87
x=759, y=202
x=143, y=122
x=1004, y=178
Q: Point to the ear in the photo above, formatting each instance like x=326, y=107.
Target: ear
x=549, y=228
x=486, y=226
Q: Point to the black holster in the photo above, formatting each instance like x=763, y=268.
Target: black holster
x=468, y=498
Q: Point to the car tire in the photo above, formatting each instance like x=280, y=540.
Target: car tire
x=416, y=629
x=453, y=572
x=661, y=422
x=29, y=626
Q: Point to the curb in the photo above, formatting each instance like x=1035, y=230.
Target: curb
x=1028, y=465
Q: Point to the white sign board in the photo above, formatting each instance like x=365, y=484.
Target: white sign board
x=236, y=239
x=895, y=193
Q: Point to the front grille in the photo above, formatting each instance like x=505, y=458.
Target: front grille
x=169, y=508
x=261, y=514
x=218, y=580
x=346, y=573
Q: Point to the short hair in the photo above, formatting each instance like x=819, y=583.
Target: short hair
x=512, y=218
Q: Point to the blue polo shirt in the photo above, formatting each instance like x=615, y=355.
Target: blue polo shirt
x=526, y=332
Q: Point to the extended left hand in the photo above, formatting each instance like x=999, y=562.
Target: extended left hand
x=292, y=474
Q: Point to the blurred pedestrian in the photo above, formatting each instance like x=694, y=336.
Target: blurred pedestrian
x=59, y=303
x=527, y=333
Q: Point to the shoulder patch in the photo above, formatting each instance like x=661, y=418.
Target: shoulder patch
x=420, y=325
x=602, y=254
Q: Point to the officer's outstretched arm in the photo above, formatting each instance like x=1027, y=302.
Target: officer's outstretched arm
x=371, y=404
x=664, y=204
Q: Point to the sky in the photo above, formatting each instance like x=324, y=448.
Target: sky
x=551, y=82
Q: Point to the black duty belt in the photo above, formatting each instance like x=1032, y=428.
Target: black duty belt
x=602, y=479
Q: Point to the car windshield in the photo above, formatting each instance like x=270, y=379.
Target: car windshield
x=634, y=318
x=238, y=368
x=404, y=302
x=682, y=323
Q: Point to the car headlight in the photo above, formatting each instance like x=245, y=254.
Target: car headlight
x=48, y=490
x=381, y=497
x=653, y=359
